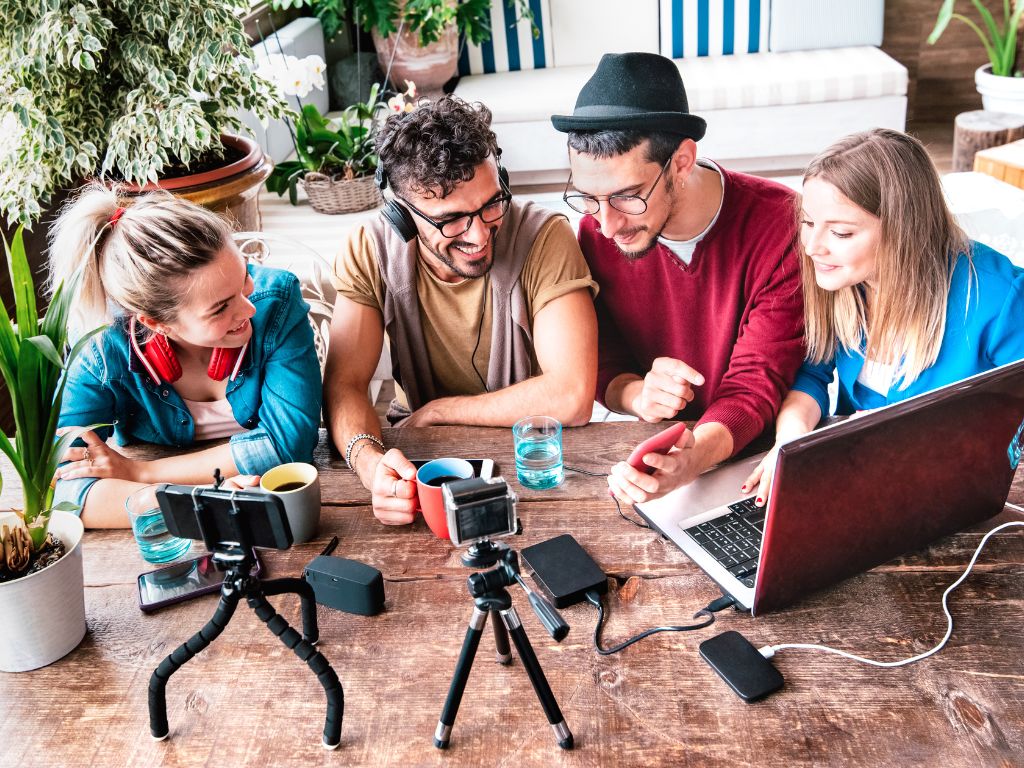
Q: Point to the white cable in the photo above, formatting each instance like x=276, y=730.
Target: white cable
x=770, y=650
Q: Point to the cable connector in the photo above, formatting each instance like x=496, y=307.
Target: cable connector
x=725, y=601
x=767, y=651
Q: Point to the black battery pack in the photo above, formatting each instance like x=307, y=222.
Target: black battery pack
x=346, y=585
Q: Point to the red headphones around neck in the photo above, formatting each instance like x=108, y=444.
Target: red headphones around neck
x=160, y=362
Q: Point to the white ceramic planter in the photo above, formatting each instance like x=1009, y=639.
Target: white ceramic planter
x=42, y=616
x=999, y=94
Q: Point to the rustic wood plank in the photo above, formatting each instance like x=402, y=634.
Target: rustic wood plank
x=247, y=700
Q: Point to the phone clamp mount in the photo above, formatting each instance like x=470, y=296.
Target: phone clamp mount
x=235, y=557
x=490, y=597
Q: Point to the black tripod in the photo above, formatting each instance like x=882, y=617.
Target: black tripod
x=237, y=560
x=491, y=597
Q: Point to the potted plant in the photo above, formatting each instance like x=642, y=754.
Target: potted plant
x=336, y=158
x=143, y=93
x=1001, y=81
x=416, y=40
x=42, y=602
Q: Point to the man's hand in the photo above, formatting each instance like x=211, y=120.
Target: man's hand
x=394, y=489
x=421, y=417
x=667, y=388
x=676, y=468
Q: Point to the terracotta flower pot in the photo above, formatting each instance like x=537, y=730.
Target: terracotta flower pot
x=232, y=190
x=42, y=616
x=429, y=67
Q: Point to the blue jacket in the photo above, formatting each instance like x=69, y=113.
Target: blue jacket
x=276, y=395
x=984, y=329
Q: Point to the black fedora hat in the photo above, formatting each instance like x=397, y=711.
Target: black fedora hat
x=633, y=91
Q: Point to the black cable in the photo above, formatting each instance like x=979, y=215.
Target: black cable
x=708, y=611
x=585, y=471
x=618, y=506
x=479, y=333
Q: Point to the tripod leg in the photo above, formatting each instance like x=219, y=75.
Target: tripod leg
x=503, y=651
x=540, y=683
x=301, y=587
x=314, y=659
x=459, y=679
x=200, y=640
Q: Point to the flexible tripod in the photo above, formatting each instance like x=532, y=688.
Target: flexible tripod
x=491, y=597
x=238, y=562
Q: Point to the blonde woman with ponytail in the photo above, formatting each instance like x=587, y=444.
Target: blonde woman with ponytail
x=200, y=346
x=897, y=300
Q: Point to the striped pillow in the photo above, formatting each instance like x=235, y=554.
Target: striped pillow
x=713, y=27
x=512, y=46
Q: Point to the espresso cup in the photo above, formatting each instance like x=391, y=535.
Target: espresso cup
x=429, y=479
x=298, y=487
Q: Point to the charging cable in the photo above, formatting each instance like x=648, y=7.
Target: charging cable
x=618, y=506
x=708, y=612
x=770, y=650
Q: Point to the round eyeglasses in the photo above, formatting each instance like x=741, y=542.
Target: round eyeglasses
x=633, y=205
x=459, y=224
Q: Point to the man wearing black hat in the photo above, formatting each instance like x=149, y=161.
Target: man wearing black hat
x=700, y=311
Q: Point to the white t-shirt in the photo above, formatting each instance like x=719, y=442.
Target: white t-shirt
x=877, y=376
x=683, y=249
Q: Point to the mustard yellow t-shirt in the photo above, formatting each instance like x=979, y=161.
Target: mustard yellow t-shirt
x=455, y=315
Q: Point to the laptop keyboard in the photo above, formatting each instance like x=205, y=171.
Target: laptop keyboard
x=734, y=539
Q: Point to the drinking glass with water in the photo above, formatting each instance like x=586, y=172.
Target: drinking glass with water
x=155, y=542
x=538, y=443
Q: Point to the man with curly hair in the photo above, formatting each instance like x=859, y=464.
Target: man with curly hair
x=486, y=301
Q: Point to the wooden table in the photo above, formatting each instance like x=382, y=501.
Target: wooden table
x=248, y=701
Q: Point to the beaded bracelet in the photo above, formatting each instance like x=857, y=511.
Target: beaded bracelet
x=356, y=439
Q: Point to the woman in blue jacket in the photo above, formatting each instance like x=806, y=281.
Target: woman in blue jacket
x=897, y=300
x=199, y=346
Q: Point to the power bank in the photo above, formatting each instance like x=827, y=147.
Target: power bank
x=741, y=665
x=564, y=570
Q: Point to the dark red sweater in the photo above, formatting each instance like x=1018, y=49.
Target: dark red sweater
x=735, y=313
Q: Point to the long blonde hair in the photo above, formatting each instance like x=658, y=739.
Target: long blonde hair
x=890, y=175
x=136, y=264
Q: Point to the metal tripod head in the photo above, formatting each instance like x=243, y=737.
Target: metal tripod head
x=506, y=573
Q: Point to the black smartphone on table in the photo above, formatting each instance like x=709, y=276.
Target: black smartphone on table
x=182, y=581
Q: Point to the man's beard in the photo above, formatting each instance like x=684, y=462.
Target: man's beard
x=445, y=258
x=639, y=253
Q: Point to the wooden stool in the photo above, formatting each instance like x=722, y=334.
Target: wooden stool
x=1005, y=163
x=979, y=130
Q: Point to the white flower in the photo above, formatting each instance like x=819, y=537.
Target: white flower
x=293, y=76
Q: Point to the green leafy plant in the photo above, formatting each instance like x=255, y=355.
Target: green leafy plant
x=34, y=361
x=1000, y=40
x=341, y=148
x=428, y=18
x=123, y=88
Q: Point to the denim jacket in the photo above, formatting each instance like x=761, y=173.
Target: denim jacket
x=276, y=395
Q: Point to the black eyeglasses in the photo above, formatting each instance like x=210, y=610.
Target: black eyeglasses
x=633, y=205
x=459, y=224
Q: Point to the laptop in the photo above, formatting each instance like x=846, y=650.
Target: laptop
x=853, y=494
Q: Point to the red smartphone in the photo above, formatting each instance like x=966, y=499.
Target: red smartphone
x=659, y=443
x=182, y=581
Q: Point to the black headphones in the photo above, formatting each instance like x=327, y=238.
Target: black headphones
x=399, y=217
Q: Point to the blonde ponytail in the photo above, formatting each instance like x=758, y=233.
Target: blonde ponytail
x=74, y=238
x=136, y=264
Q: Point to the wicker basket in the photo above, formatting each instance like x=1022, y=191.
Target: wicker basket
x=329, y=195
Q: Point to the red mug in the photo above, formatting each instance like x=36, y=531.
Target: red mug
x=429, y=479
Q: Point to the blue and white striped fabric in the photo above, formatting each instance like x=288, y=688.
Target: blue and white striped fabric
x=713, y=27
x=512, y=46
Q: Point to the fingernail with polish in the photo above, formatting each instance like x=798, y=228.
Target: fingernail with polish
x=760, y=500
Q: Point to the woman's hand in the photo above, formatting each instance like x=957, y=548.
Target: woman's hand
x=761, y=477
x=97, y=459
